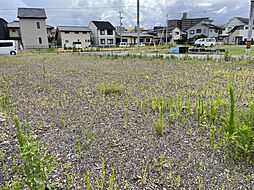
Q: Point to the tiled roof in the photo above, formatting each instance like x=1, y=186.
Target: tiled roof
x=103, y=25
x=74, y=28
x=31, y=13
x=14, y=24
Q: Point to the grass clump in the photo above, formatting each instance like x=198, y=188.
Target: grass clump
x=159, y=124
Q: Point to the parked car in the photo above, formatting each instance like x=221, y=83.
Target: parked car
x=205, y=42
x=68, y=46
x=77, y=45
x=124, y=44
x=8, y=47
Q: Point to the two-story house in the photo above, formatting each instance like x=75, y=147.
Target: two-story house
x=204, y=28
x=14, y=32
x=236, y=31
x=33, y=28
x=103, y=33
x=73, y=35
x=4, y=34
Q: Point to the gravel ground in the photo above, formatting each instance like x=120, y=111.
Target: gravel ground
x=121, y=123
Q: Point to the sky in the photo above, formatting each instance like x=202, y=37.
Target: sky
x=152, y=12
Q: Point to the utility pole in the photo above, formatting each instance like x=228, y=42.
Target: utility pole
x=138, y=24
x=120, y=26
x=167, y=30
x=250, y=29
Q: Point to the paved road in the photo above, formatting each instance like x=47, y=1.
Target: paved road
x=123, y=53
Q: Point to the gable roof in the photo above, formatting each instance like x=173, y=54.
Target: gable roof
x=73, y=29
x=103, y=25
x=1, y=19
x=243, y=20
x=31, y=13
x=14, y=24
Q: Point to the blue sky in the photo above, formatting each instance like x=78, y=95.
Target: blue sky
x=153, y=12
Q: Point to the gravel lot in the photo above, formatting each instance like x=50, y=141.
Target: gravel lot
x=114, y=99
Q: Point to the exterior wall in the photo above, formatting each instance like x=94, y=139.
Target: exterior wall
x=96, y=36
x=64, y=38
x=30, y=34
x=14, y=32
x=231, y=24
x=176, y=35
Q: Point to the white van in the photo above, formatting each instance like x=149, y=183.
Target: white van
x=8, y=47
x=205, y=42
x=77, y=45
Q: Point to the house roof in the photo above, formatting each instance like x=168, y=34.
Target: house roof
x=1, y=19
x=103, y=25
x=73, y=29
x=243, y=20
x=134, y=34
x=31, y=13
x=14, y=24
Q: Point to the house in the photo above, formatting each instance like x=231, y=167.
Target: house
x=184, y=23
x=51, y=33
x=14, y=32
x=33, y=28
x=131, y=38
x=4, y=34
x=174, y=34
x=103, y=33
x=73, y=35
x=236, y=31
x=204, y=28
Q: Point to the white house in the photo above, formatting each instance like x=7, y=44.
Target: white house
x=103, y=33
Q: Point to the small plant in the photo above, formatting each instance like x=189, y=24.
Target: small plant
x=112, y=180
x=88, y=186
x=36, y=165
x=159, y=124
x=143, y=175
x=78, y=147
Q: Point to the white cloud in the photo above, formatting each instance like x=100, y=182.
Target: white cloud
x=205, y=4
x=222, y=10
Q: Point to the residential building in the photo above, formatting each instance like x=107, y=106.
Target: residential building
x=4, y=34
x=174, y=34
x=33, y=28
x=184, y=23
x=51, y=33
x=103, y=34
x=204, y=28
x=236, y=31
x=131, y=38
x=14, y=32
x=73, y=35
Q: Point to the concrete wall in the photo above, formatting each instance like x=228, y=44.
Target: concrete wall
x=30, y=34
x=64, y=38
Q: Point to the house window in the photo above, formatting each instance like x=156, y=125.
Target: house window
x=110, y=41
x=76, y=32
x=110, y=32
x=246, y=28
x=88, y=40
x=198, y=31
x=192, y=32
x=147, y=40
x=84, y=32
x=204, y=30
x=245, y=39
x=40, y=40
x=66, y=32
x=141, y=40
x=124, y=40
x=13, y=30
x=66, y=41
x=38, y=25
x=211, y=30
x=177, y=33
x=102, y=32
x=102, y=41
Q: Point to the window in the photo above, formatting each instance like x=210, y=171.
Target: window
x=6, y=44
x=198, y=31
x=177, y=33
x=147, y=40
x=124, y=40
x=204, y=30
x=192, y=32
x=88, y=40
x=13, y=30
x=76, y=32
x=110, y=41
x=84, y=32
x=229, y=28
x=40, y=40
x=66, y=32
x=66, y=41
x=211, y=30
x=245, y=39
x=38, y=25
x=246, y=28
x=102, y=32
x=110, y=32
x=102, y=41
x=141, y=40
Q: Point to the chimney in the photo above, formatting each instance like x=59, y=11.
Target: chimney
x=184, y=16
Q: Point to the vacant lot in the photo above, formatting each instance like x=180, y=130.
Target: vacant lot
x=98, y=114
